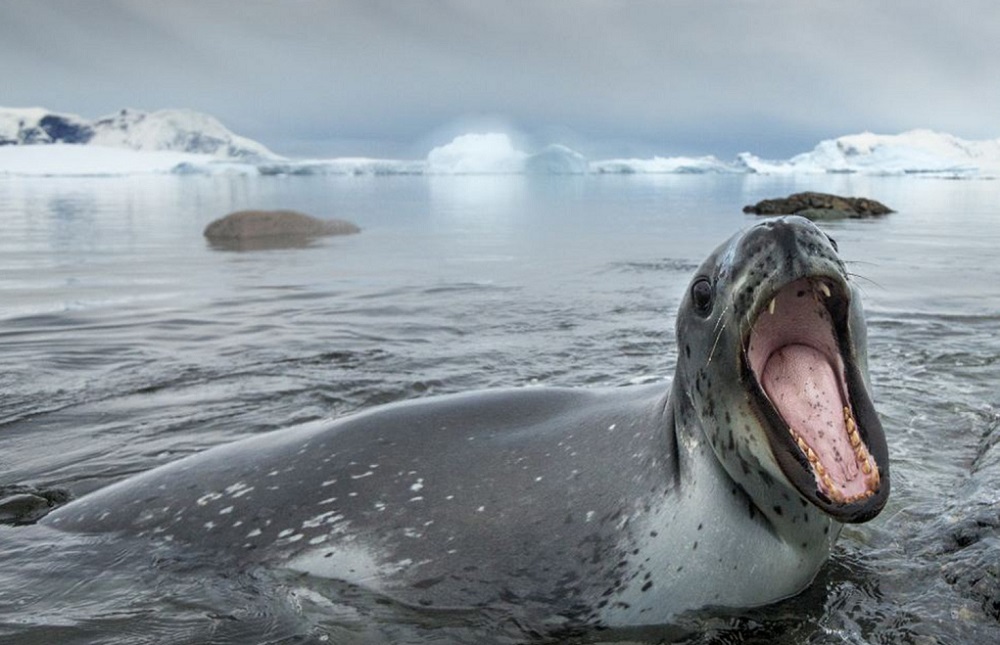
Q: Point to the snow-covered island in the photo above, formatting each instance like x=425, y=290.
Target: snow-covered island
x=38, y=142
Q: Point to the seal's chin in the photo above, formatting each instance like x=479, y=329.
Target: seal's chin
x=821, y=428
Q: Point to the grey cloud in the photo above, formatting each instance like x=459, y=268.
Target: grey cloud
x=376, y=77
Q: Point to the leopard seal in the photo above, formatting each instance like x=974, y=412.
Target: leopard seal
x=613, y=507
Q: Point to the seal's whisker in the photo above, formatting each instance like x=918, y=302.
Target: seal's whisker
x=866, y=279
x=865, y=262
x=720, y=327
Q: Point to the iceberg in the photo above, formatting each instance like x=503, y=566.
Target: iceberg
x=916, y=152
x=358, y=166
x=556, y=159
x=476, y=154
x=664, y=165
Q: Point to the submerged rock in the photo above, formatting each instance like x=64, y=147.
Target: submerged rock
x=22, y=504
x=253, y=229
x=819, y=206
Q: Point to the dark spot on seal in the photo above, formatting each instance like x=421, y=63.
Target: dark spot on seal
x=427, y=583
x=700, y=524
x=778, y=509
x=694, y=547
x=647, y=586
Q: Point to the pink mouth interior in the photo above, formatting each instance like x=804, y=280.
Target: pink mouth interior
x=793, y=353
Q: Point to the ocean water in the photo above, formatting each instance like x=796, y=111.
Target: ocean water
x=127, y=341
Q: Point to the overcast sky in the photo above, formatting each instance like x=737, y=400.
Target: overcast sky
x=369, y=77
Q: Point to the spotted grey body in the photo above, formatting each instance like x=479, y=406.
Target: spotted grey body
x=621, y=506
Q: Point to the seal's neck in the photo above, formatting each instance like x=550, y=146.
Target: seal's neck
x=767, y=500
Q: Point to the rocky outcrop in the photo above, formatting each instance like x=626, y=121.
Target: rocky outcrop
x=256, y=229
x=819, y=206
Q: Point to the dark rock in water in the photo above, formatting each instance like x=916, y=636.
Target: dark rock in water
x=252, y=230
x=20, y=504
x=819, y=206
x=969, y=549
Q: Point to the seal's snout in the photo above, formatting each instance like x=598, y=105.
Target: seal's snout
x=791, y=241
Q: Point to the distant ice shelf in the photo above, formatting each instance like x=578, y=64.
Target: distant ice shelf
x=37, y=142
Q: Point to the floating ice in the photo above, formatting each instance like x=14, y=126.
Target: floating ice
x=665, y=165
x=556, y=159
x=491, y=153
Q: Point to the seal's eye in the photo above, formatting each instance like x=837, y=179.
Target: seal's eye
x=833, y=243
x=701, y=295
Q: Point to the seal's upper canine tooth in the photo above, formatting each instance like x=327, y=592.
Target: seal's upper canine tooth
x=823, y=288
x=770, y=306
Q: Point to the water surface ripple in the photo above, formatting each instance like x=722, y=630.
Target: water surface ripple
x=128, y=342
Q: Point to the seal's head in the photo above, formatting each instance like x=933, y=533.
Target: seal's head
x=772, y=332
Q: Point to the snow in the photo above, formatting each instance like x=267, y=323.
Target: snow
x=184, y=142
x=179, y=130
x=163, y=130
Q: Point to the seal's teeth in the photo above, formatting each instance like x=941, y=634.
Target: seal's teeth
x=770, y=306
x=866, y=467
x=823, y=288
x=831, y=489
x=860, y=496
x=852, y=429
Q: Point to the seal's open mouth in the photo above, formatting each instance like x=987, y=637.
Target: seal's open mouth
x=795, y=351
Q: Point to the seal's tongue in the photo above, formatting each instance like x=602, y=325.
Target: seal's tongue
x=801, y=384
x=793, y=353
